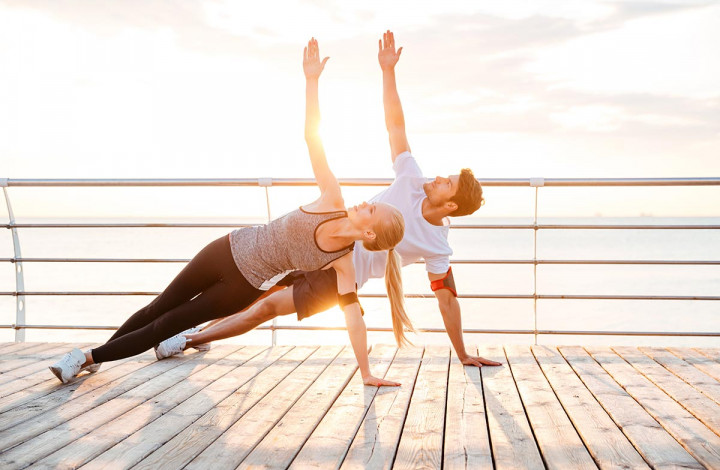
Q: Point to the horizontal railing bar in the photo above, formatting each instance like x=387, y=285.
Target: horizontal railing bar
x=628, y=227
x=146, y=293
x=134, y=225
x=452, y=261
x=454, y=226
x=420, y=330
x=411, y=296
x=358, y=182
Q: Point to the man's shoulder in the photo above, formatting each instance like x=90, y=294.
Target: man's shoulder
x=406, y=165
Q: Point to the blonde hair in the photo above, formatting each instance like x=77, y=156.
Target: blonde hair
x=388, y=234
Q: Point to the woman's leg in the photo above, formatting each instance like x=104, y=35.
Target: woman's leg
x=200, y=273
x=278, y=303
x=209, y=287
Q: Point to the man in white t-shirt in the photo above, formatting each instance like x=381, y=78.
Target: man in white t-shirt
x=425, y=207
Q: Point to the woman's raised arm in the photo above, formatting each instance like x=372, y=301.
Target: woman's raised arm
x=313, y=67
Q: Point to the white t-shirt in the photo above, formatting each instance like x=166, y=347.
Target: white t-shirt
x=422, y=239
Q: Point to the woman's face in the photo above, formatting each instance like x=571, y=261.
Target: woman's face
x=367, y=216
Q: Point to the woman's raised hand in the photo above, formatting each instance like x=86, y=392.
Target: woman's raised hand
x=387, y=56
x=311, y=60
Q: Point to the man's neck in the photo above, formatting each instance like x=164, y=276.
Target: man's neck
x=434, y=215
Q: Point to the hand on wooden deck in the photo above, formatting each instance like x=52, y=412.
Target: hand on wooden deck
x=478, y=361
x=378, y=382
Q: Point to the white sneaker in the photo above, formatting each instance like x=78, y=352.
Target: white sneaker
x=69, y=366
x=171, y=346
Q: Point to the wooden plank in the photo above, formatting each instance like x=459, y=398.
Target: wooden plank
x=329, y=442
x=467, y=443
x=218, y=401
x=421, y=443
x=6, y=345
x=699, y=361
x=698, y=379
x=377, y=438
x=657, y=447
x=30, y=356
x=559, y=443
x=606, y=443
x=239, y=440
x=37, y=362
x=83, y=449
x=46, y=413
x=24, y=378
x=699, y=405
x=69, y=429
x=712, y=353
x=207, y=427
x=697, y=439
x=16, y=350
x=511, y=437
x=280, y=446
x=37, y=385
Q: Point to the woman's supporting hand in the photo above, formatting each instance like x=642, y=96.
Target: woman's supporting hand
x=311, y=60
x=378, y=382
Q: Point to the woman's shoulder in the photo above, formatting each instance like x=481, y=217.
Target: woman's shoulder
x=325, y=204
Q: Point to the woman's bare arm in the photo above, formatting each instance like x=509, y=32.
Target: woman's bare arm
x=313, y=67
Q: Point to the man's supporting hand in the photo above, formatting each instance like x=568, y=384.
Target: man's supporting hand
x=478, y=361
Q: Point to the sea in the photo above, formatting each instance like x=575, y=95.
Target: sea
x=478, y=244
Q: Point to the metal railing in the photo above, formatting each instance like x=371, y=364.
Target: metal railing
x=20, y=293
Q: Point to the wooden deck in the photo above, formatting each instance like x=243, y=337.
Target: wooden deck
x=306, y=407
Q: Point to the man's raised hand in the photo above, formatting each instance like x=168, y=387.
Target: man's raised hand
x=387, y=56
x=311, y=60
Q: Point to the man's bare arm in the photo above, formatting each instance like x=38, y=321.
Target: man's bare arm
x=394, y=117
x=450, y=310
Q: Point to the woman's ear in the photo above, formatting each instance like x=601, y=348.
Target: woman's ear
x=369, y=235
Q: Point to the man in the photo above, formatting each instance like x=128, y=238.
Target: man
x=425, y=207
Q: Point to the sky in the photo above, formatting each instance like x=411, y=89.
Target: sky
x=215, y=89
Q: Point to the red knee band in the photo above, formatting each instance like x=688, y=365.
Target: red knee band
x=447, y=282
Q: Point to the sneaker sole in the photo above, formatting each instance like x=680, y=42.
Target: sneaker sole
x=58, y=373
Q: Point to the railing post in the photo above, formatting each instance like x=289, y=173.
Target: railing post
x=535, y=183
x=19, y=275
x=266, y=183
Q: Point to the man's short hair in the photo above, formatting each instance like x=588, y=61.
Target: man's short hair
x=469, y=196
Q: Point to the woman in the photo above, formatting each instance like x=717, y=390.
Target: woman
x=226, y=275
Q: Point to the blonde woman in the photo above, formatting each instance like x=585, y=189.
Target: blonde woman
x=226, y=275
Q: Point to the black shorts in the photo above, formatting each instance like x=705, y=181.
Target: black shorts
x=313, y=291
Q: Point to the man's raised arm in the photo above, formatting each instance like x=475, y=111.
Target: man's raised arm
x=394, y=118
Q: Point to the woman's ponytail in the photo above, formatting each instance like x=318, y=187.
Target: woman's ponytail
x=389, y=233
x=393, y=285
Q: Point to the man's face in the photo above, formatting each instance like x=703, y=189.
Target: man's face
x=441, y=190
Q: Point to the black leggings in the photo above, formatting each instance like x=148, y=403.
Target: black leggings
x=209, y=287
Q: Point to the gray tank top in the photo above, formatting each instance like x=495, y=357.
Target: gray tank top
x=264, y=251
